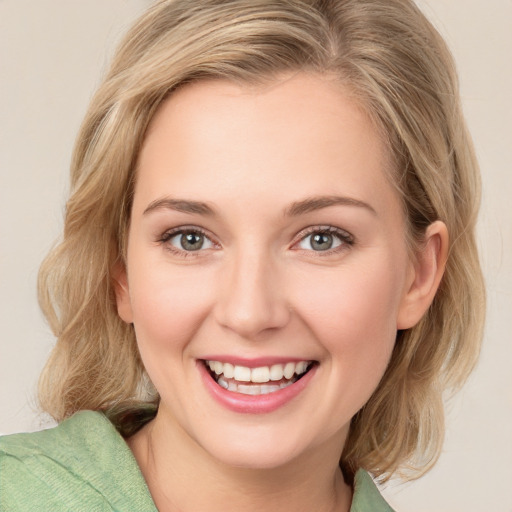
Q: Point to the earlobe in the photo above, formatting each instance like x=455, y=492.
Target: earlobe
x=428, y=272
x=120, y=282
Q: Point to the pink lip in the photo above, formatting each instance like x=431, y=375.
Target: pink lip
x=252, y=404
x=252, y=362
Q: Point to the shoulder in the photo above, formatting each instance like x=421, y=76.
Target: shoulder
x=367, y=497
x=82, y=426
x=83, y=464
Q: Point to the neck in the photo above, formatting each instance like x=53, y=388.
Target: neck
x=182, y=476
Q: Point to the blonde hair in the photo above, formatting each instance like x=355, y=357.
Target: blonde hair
x=398, y=67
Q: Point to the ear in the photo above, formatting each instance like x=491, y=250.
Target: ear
x=121, y=289
x=427, y=272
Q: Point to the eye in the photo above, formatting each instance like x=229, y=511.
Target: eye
x=324, y=239
x=188, y=240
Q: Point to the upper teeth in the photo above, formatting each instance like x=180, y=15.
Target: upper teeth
x=258, y=375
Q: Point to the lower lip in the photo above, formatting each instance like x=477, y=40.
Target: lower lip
x=254, y=404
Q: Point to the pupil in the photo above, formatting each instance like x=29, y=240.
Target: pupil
x=192, y=241
x=321, y=242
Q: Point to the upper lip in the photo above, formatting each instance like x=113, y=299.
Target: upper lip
x=254, y=362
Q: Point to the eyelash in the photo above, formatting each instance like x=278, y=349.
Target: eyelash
x=183, y=230
x=346, y=239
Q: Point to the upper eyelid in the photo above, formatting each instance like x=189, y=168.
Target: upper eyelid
x=346, y=238
x=170, y=233
x=188, y=229
x=323, y=229
x=309, y=230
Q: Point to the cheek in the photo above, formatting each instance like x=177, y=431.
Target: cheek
x=355, y=300
x=352, y=313
x=168, y=306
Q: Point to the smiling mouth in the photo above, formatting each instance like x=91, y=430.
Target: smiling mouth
x=262, y=380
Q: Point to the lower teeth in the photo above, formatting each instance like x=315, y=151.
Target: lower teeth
x=254, y=389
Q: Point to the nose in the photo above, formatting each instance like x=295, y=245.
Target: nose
x=252, y=300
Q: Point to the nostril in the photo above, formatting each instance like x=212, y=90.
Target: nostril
x=251, y=299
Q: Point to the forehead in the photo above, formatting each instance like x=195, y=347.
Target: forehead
x=302, y=132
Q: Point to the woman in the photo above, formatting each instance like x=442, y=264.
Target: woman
x=268, y=275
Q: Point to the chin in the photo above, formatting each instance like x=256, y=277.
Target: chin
x=260, y=459
x=254, y=451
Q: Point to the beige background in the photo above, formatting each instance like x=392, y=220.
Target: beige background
x=52, y=54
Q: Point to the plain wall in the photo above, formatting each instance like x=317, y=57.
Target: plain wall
x=52, y=55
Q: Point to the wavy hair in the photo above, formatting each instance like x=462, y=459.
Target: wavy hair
x=400, y=71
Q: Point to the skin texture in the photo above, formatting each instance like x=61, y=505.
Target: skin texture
x=258, y=288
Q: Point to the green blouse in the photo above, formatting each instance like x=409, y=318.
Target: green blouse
x=85, y=465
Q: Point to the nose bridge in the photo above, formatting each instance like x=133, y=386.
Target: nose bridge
x=251, y=300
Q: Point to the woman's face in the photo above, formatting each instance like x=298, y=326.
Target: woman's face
x=265, y=242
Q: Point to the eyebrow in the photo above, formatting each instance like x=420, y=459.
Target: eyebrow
x=311, y=204
x=297, y=208
x=180, y=205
